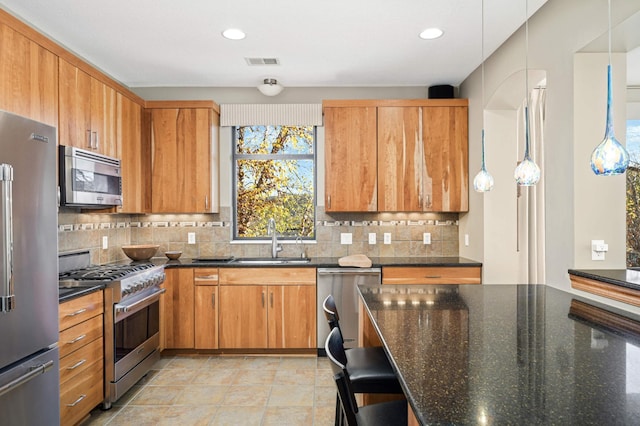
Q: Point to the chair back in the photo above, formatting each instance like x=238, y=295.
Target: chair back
x=331, y=312
x=336, y=354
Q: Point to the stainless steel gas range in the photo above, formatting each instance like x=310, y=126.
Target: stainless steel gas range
x=131, y=325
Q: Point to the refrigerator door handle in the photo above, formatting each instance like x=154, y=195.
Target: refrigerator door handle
x=32, y=374
x=7, y=298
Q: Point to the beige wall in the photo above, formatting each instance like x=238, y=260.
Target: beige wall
x=556, y=32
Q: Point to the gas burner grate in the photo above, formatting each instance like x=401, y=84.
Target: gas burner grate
x=103, y=272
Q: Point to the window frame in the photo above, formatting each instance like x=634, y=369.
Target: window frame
x=234, y=182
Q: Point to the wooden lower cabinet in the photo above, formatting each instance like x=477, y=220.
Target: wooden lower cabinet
x=267, y=308
x=177, y=310
x=81, y=357
x=207, y=300
x=432, y=275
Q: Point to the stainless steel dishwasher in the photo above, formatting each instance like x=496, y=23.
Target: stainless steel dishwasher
x=342, y=284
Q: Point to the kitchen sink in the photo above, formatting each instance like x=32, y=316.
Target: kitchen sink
x=272, y=260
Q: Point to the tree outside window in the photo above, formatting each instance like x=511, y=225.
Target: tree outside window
x=274, y=170
x=633, y=193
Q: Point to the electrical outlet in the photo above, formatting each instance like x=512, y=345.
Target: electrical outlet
x=191, y=238
x=466, y=240
x=598, y=249
x=426, y=238
x=387, y=237
x=372, y=237
x=105, y=242
x=346, y=238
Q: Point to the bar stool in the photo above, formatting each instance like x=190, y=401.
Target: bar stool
x=368, y=368
x=383, y=414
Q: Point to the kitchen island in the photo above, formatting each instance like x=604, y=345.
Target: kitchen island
x=508, y=354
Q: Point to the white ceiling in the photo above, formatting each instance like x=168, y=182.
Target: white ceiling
x=146, y=43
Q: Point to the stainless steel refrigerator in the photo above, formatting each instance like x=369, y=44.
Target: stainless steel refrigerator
x=29, y=371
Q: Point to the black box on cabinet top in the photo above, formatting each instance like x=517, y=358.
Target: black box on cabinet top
x=442, y=91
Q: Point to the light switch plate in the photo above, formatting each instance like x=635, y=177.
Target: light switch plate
x=466, y=240
x=346, y=238
x=191, y=238
x=387, y=237
x=598, y=249
x=426, y=238
x=105, y=242
x=372, y=237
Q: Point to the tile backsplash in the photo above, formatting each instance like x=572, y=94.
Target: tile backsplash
x=213, y=234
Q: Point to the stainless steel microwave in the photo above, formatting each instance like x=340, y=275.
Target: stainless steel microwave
x=88, y=179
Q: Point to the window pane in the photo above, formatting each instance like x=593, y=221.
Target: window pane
x=274, y=140
x=274, y=178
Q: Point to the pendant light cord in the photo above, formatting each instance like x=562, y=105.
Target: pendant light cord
x=609, y=32
x=482, y=53
x=526, y=52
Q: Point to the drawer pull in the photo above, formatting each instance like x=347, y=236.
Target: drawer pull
x=207, y=277
x=77, y=401
x=78, y=312
x=433, y=276
x=77, y=339
x=77, y=364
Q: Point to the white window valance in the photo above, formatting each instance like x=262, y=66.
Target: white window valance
x=271, y=114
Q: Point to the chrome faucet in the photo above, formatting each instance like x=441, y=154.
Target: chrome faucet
x=271, y=230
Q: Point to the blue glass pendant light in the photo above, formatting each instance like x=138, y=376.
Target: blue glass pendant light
x=527, y=173
x=483, y=181
x=610, y=157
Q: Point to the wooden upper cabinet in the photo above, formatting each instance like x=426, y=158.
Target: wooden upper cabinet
x=350, y=159
x=182, y=160
x=136, y=165
x=28, y=78
x=446, y=158
x=420, y=162
x=87, y=111
x=400, y=159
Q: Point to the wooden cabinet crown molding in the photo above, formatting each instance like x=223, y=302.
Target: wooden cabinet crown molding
x=345, y=103
x=167, y=104
x=48, y=44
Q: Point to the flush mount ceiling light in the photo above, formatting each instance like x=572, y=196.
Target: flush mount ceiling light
x=431, y=33
x=233, y=34
x=270, y=87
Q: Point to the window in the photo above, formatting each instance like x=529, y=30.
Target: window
x=274, y=177
x=633, y=193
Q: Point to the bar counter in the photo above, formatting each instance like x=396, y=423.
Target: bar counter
x=508, y=354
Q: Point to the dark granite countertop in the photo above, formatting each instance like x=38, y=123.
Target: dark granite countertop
x=324, y=262
x=509, y=354
x=67, y=293
x=629, y=278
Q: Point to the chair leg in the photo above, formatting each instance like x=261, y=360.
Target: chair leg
x=338, y=419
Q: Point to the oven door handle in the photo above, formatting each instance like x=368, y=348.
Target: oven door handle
x=142, y=303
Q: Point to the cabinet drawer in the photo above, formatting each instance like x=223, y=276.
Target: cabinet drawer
x=205, y=276
x=80, y=395
x=80, y=335
x=431, y=275
x=80, y=361
x=278, y=276
x=81, y=309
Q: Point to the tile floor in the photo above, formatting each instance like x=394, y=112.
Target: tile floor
x=226, y=390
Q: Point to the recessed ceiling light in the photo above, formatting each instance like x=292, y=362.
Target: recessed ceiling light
x=431, y=33
x=234, y=34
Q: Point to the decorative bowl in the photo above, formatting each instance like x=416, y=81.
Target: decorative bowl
x=173, y=255
x=140, y=252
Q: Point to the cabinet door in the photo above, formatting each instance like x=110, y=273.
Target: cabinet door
x=446, y=153
x=134, y=156
x=178, y=318
x=292, y=316
x=103, y=118
x=243, y=317
x=350, y=159
x=206, y=307
x=181, y=158
x=206, y=317
x=75, y=106
x=28, y=78
x=400, y=164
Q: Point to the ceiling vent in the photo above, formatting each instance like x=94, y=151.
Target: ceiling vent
x=262, y=61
